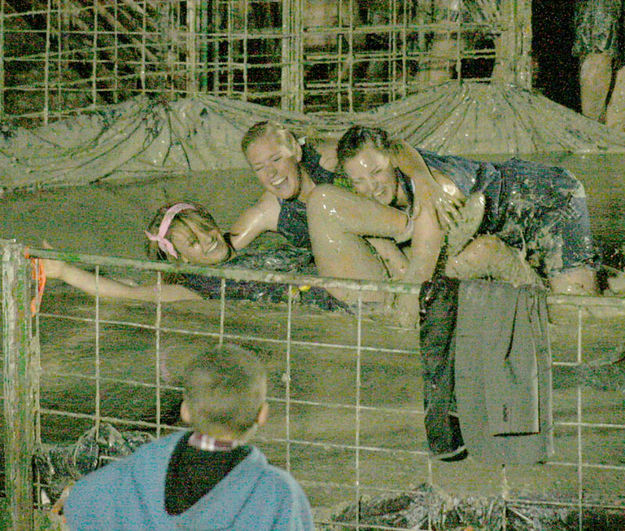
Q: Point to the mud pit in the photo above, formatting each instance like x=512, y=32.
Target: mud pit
x=322, y=418
x=324, y=376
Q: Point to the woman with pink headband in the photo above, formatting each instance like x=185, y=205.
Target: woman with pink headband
x=182, y=232
x=185, y=232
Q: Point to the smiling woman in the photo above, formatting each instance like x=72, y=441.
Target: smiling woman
x=531, y=214
x=182, y=232
x=186, y=233
x=288, y=169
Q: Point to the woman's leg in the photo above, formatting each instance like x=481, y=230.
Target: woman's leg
x=489, y=257
x=337, y=221
x=579, y=281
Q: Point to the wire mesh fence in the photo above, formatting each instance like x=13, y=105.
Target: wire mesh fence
x=58, y=57
x=345, y=393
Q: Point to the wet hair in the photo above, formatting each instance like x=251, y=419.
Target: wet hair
x=224, y=389
x=264, y=128
x=359, y=136
x=200, y=214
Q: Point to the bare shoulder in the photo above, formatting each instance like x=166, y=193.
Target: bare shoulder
x=447, y=185
x=267, y=203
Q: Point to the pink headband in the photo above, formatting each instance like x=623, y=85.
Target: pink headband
x=164, y=244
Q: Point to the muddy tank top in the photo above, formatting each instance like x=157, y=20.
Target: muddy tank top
x=292, y=221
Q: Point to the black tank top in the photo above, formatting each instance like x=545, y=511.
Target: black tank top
x=292, y=221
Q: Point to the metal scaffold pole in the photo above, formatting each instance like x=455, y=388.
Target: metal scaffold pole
x=292, y=56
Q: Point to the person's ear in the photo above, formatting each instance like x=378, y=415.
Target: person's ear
x=295, y=147
x=185, y=414
x=298, y=151
x=263, y=413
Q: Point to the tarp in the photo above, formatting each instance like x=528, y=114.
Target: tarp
x=148, y=138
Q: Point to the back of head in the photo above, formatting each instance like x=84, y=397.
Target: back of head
x=224, y=389
x=359, y=136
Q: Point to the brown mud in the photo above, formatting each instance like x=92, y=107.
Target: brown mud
x=322, y=357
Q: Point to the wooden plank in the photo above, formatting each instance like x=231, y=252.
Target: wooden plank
x=18, y=387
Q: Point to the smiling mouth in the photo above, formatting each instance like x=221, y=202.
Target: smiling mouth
x=278, y=182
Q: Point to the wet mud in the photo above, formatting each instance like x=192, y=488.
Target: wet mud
x=324, y=425
x=325, y=388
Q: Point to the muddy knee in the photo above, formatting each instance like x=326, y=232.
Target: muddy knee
x=470, y=262
x=481, y=248
x=489, y=257
x=579, y=281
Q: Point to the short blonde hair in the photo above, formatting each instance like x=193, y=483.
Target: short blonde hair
x=224, y=389
x=265, y=128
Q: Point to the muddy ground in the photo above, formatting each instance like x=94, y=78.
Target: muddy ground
x=322, y=419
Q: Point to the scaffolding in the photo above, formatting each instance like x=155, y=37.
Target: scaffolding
x=59, y=57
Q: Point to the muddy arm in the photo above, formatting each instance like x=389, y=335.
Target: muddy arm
x=113, y=289
x=427, y=241
x=427, y=188
x=259, y=218
x=392, y=256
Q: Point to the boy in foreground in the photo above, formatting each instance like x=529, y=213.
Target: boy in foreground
x=207, y=478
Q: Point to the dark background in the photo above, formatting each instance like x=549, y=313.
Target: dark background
x=556, y=74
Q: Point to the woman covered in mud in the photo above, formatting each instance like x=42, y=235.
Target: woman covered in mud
x=186, y=233
x=531, y=214
x=289, y=169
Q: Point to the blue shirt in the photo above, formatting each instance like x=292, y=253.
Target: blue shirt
x=130, y=494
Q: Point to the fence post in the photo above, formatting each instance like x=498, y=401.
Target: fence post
x=18, y=386
x=2, y=76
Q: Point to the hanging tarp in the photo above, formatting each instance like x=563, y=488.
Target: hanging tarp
x=148, y=138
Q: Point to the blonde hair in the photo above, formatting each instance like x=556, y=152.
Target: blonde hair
x=224, y=389
x=265, y=128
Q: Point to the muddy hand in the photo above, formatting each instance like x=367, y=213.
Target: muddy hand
x=447, y=208
x=407, y=233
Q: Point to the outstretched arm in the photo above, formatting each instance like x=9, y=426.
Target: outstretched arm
x=113, y=289
x=259, y=218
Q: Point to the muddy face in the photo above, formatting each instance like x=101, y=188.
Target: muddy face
x=276, y=165
x=199, y=243
x=372, y=175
